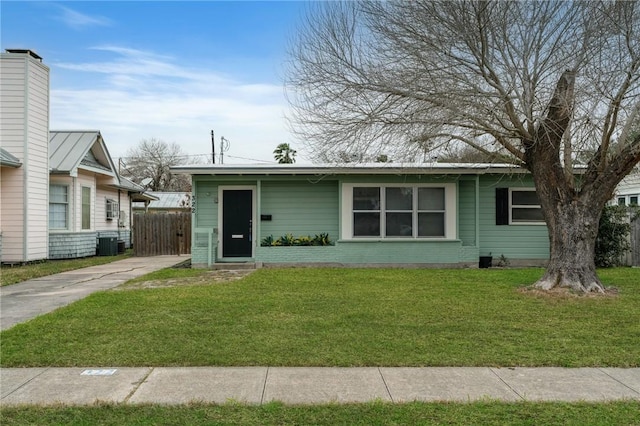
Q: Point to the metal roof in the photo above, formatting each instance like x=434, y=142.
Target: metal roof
x=69, y=150
x=168, y=200
x=348, y=169
x=138, y=193
x=8, y=159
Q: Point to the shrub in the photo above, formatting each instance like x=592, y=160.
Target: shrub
x=612, y=241
x=289, y=240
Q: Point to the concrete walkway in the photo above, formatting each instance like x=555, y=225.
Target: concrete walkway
x=28, y=299
x=259, y=385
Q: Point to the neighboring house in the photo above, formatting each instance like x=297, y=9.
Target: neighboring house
x=88, y=200
x=628, y=191
x=165, y=202
x=59, y=191
x=24, y=139
x=375, y=214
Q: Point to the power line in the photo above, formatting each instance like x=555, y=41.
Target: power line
x=252, y=159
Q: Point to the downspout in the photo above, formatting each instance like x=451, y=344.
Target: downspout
x=257, y=227
x=130, y=221
x=118, y=221
x=478, y=212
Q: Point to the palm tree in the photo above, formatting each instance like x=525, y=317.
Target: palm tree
x=284, y=154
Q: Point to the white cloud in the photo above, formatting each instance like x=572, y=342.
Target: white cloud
x=78, y=21
x=139, y=95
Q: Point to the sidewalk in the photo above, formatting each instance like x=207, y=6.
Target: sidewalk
x=28, y=299
x=310, y=385
x=260, y=385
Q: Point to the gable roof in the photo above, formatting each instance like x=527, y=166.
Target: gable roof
x=85, y=149
x=8, y=159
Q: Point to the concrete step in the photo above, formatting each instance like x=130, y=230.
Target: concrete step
x=232, y=266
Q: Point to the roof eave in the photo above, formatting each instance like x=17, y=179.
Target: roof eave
x=346, y=170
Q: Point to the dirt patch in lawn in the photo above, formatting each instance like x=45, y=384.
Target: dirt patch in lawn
x=208, y=278
x=567, y=293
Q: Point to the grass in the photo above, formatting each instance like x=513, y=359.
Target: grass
x=485, y=413
x=15, y=274
x=340, y=317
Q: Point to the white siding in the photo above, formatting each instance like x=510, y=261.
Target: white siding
x=125, y=206
x=24, y=88
x=11, y=214
x=102, y=224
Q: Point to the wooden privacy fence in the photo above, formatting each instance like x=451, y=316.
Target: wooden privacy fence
x=635, y=241
x=161, y=234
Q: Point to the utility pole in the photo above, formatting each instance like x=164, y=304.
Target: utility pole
x=213, y=149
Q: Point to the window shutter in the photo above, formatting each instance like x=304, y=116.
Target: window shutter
x=502, y=206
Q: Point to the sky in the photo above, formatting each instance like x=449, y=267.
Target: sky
x=167, y=70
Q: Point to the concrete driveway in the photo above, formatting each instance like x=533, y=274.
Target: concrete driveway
x=28, y=299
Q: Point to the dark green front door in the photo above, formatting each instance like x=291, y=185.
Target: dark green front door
x=236, y=222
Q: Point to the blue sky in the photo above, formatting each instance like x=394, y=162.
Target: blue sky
x=166, y=70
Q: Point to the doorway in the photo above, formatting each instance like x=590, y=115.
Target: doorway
x=237, y=223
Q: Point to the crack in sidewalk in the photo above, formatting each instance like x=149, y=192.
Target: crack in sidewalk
x=137, y=386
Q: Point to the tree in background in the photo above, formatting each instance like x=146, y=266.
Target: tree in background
x=539, y=81
x=148, y=164
x=284, y=154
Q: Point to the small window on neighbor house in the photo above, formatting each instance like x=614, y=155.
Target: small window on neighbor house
x=622, y=201
x=86, y=207
x=112, y=209
x=633, y=200
x=58, y=206
x=525, y=206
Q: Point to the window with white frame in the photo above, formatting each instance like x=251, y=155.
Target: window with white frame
x=58, y=206
x=399, y=211
x=86, y=207
x=112, y=209
x=524, y=206
x=628, y=200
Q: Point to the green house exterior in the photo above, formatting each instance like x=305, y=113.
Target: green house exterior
x=439, y=215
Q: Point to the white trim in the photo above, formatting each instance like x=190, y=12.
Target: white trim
x=68, y=204
x=253, y=189
x=537, y=206
x=91, y=208
x=352, y=169
x=450, y=213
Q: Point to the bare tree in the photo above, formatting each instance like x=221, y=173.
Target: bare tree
x=540, y=81
x=148, y=164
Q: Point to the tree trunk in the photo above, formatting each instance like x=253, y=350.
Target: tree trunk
x=573, y=228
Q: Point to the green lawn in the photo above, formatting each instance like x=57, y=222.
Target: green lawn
x=484, y=413
x=16, y=274
x=340, y=317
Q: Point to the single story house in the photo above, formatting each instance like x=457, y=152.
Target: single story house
x=165, y=202
x=59, y=191
x=88, y=200
x=371, y=214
